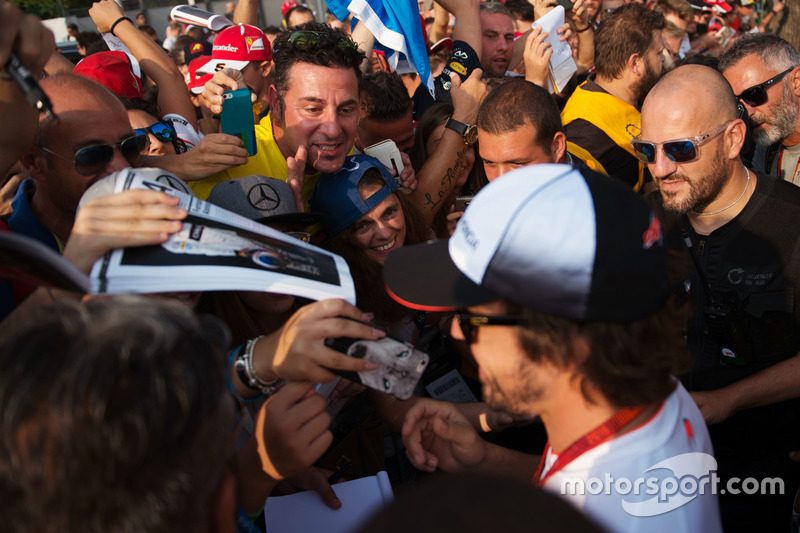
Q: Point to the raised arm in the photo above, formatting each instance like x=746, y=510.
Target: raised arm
x=468, y=22
x=437, y=177
x=25, y=36
x=246, y=12
x=173, y=95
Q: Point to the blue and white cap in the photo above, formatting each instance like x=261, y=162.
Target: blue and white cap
x=571, y=243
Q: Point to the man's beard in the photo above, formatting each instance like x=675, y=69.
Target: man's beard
x=703, y=190
x=647, y=82
x=782, y=124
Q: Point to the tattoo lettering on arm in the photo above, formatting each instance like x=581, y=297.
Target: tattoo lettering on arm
x=447, y=181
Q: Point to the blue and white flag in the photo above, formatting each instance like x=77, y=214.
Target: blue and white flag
x=395, y=24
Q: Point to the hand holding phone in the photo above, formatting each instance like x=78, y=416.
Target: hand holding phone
x=400, y=365
x=237, y=118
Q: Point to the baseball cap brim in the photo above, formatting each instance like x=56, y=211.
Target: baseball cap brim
x=211, y=66
x=424, y=277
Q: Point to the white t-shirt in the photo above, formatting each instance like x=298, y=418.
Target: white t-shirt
x=676, y=429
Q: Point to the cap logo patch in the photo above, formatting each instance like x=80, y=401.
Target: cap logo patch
x=254, y=44
x=196, y=47
x=653, y=233
x=263, y=197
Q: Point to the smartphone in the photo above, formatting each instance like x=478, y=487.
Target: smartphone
x=566, y=4
x=237, y=118
x=387, y=153
x=462, y=202
x=400, y=364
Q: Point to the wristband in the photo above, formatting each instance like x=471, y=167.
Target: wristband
x=587, y=28
x=117, y=22
x=247, y=372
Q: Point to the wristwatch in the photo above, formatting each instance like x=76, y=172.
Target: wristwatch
x=468, y=131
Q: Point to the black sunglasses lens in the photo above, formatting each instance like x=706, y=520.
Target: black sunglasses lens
x=680, y=151
x=133, y=147
x=754, y=96
x=304, y=39
x=92, y=159
x=646, y=152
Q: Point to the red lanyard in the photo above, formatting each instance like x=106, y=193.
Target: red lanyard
x=594, y=438
x=780, y=158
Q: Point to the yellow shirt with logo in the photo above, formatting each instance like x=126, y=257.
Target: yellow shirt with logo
x=268, y=161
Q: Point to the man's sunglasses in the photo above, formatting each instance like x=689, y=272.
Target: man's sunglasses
x=90, y=160
x=470, y=323
x=163, y=131
x=757, y=94
x=679, y=150
x=309, y=39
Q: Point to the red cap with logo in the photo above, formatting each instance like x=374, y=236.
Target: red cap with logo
x=235, y=47
x=111, y=70
x=196, y=82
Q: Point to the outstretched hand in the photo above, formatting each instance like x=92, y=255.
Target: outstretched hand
x=437, y=435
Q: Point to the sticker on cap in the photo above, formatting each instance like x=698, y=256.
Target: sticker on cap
x=254, y=44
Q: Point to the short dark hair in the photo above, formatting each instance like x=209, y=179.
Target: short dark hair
x=625, y=31
x=330, y=50
x=72, y=26
x=776, y=53
x=520, y=10
x=629, y=363
x=383, y=97
x=299, y=8
x=682, y=8
x=85, y=38
x=517, y=103
x=114, y=417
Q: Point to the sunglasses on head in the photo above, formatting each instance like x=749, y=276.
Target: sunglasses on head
x=757, y=94
x=469, y=323
x=90, y=160
x=163, y=131
x=308, y=39
x=679, y=150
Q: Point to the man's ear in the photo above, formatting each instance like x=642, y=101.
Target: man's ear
x=266, y=68
x=794, y=80
x=222, y=518
x=558, y=147
x=634, y=64
x=735, y=138
x=35, y=163
x=274, y=106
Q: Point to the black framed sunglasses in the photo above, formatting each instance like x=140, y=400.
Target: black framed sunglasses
x=308, y=39
x=678, y=150
x=90, y=160
x=469, y=323
x=162, y=130
x=757, y=94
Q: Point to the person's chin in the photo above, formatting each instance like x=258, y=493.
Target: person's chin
x=330, y=161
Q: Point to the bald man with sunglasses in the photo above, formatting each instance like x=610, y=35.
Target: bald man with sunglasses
x=764, y=73
x=737, y=233
x=90, y=139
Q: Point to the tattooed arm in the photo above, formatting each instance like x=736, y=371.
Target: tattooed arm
x=437, y=177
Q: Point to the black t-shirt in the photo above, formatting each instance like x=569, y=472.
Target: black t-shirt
x=463, y=60
x=752, y=264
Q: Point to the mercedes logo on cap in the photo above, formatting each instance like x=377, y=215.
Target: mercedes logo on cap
x=263, y=197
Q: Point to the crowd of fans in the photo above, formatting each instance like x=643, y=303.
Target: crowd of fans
x=618, y=297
